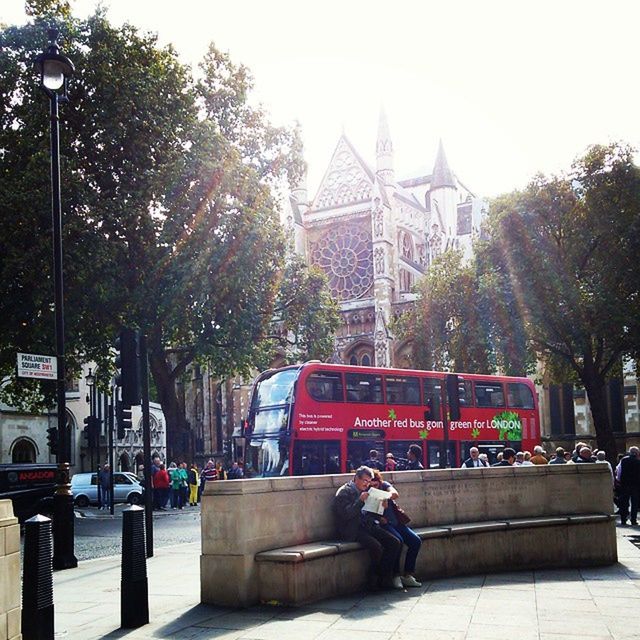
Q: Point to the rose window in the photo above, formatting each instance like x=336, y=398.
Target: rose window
x=344, y=253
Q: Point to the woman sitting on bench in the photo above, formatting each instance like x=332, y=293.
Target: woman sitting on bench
x=395, y=521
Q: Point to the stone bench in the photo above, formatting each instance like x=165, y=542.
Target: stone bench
x=303, y=573
x=276, y=536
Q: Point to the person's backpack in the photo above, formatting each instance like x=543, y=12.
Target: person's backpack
x=192, y=477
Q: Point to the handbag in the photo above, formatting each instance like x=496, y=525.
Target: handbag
x=401, y=514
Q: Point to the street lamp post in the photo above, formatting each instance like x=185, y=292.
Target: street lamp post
x=54, y=69
x=90, y=380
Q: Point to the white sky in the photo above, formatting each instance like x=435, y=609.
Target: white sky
x=511, y=87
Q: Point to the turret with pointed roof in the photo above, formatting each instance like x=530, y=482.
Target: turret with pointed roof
x=442, y=175
x=384, y=151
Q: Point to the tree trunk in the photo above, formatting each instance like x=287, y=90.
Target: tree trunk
x=595, y=386
x=176, y=428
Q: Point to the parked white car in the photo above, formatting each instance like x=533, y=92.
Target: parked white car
x=126, y=488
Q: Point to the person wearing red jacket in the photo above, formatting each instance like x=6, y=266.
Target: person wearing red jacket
x=161, y=483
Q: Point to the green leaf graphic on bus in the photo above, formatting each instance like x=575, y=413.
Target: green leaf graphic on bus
x=475, y=433
x=424, y=434
x=508, y=425
x=392, y=414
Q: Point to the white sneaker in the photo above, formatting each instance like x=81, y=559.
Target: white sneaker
x=396, y=582
x=410, y=581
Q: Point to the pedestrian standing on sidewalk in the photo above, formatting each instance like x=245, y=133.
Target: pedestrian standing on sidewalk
x=155, y=496
x=176, y=483
x=161, y=488
x=208, y=474
x=193, y=485
x=105, y=486
x=184, y=486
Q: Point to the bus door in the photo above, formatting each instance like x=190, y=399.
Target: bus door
x=492, y=449
x=433, y=454
x=316, y=457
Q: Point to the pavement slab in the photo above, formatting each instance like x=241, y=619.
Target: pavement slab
x=593, y=603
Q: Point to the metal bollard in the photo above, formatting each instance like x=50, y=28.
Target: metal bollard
x=37, y=580
x=134, y=592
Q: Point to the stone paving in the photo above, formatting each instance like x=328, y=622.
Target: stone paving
x=546, y=605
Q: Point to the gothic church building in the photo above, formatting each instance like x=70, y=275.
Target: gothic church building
x=374, y=236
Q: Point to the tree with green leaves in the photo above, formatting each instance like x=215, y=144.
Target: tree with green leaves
x=445, y=326
x=171, y=223
x=569, y=247
x=306, y=316
x=462, y=322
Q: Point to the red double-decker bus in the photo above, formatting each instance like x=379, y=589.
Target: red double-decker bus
x=319, y=418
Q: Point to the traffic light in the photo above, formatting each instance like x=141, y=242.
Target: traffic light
x=123, y=419
x=92, y=428
x=52, y=440
x=128, y=366
x=453, y=396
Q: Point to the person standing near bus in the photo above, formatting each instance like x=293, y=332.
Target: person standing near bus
x=508, y=458
x=384, y=548
x=373, y=462
x=413, y=455
x=474, y=461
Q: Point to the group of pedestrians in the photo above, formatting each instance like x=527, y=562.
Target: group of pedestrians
x=181, y=485
x=625, y=478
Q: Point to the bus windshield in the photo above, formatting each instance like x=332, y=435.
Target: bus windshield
x=275, y=390
x=268, y=449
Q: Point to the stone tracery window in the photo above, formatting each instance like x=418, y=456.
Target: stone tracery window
x=405, y=244
x=406, y=280
x=345, y=255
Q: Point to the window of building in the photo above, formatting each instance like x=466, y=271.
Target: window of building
x=366, y=360
x=561, y=411
x=23, y=451
x=362, y=387
x=405, y=244
x=406, y=280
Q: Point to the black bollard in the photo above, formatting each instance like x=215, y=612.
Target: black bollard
x=37, y=580
x=63, y=522
x=134, y=592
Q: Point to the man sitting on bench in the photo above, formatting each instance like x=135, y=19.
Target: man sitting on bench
x=384, y=548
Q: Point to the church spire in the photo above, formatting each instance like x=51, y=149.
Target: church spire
x=442, y=175
x=384, y=150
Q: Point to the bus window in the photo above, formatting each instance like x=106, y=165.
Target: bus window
x=325, y=386
x=276, y=389
x=520, y=396
x=316, y=457
x=364, y=387
x=402, y=390
x=432, y=390
x=267, y=458
x=489, y=395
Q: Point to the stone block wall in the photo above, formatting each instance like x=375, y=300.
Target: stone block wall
x=10, y=584
x=242, y=518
